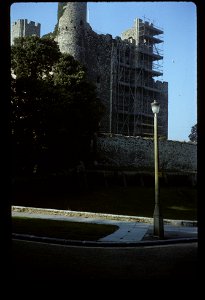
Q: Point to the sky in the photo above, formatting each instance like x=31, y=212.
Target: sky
x=179, y=23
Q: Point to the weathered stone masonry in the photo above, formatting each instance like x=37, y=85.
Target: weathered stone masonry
x=23, y=27
x=123, y=69
x=137, y=153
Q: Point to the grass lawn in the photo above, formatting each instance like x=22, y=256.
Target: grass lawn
x=177, y=202
x=61, y=229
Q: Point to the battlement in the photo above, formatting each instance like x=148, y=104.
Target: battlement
x=24, y=27
x=24, y=22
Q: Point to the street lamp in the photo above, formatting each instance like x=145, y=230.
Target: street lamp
x=158, y=219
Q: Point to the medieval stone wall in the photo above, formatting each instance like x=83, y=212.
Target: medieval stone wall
x=98, y=65
x=98, y=53
x=138, y=153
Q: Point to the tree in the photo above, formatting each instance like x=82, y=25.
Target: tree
x=33, y=57
x=193, y=134
x=55, y=110
x=85, y=109
x=79, y=111
x=48, y=35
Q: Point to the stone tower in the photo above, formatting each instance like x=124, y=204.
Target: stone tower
x=71, y=29
x=23, y=27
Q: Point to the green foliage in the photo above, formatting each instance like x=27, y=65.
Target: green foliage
x=49, y=35
x=84, y=105
x=33, y=57
x=68, y=72
x=55, y=110
x=29, y=114
x=193, y=134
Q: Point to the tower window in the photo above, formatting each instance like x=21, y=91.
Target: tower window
x=81, y=22
x=98, y=79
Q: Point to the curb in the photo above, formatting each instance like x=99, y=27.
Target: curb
x=71, y=213
x=26, y=237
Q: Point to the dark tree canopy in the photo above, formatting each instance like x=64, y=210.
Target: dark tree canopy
x=33, y=57
x=55, y=110
x=193, y=134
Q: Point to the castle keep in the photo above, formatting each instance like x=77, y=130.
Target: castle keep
x=23, y=27
x=124, y=70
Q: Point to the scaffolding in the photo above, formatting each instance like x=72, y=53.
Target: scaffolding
x=135, y=62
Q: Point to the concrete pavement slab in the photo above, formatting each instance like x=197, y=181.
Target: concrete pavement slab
x=128, y=232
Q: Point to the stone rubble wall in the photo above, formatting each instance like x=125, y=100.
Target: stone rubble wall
x=138, y=153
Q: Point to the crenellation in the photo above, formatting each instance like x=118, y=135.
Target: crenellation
x=24, y=27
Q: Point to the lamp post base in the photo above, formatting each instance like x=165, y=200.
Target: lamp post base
x=158, y=224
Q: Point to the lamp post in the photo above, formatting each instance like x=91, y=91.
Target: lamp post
x=158, y=219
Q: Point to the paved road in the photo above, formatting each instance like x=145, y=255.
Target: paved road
x=41, y=261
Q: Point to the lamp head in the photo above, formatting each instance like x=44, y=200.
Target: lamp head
x=155, y=107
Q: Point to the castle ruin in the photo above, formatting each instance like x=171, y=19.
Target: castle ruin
x=123, y=68
x=124, y=71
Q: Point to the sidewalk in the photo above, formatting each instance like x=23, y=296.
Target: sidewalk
x=132, y=230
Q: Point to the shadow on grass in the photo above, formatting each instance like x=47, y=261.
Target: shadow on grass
x=61, y=229
x=178, y=202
